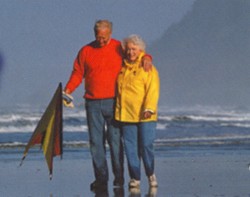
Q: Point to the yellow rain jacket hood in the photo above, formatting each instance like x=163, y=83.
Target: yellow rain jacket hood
x=137, y=91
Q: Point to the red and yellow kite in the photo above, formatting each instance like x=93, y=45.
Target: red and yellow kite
x=48, y=132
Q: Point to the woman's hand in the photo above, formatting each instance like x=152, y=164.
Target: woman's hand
x=147, y=114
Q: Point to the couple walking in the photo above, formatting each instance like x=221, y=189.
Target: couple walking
x=121, y=92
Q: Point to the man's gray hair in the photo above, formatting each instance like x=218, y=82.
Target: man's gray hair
x=102, y=24
x=136, y=40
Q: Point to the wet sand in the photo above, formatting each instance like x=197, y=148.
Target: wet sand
x=179, y=173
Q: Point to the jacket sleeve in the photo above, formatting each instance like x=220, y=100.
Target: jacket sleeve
x=77, y=73
x=152, y=91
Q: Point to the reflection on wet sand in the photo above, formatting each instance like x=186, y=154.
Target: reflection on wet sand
x=119, y=192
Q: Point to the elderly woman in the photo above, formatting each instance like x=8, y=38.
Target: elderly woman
x=136, y=109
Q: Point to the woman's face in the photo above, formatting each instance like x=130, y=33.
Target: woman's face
x=132, y=51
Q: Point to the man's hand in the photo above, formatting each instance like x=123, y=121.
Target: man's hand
x=67, y=100
x=146, y=63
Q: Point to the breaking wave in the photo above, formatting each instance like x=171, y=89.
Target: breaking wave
x=175, y=127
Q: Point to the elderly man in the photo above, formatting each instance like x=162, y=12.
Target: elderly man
x=99, y=63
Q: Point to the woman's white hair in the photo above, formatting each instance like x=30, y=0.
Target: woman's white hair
x=136, y=40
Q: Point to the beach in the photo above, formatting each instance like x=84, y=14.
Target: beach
x=180, y=172
x=198, y=152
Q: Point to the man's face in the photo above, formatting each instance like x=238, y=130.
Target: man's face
x=103, y=37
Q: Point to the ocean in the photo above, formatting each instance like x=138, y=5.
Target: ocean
x=183, y=128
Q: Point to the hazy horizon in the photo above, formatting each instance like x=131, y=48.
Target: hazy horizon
x=201, y=48
x=204, y=59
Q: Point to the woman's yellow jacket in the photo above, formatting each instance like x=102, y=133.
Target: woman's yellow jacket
x=137, y=91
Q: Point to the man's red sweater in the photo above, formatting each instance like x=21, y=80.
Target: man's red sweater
x=99, y=67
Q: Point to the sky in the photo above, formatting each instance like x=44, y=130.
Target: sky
x=40, y=39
